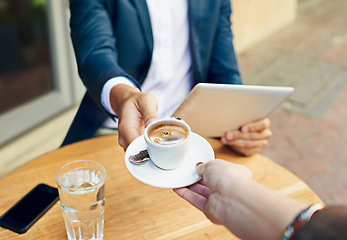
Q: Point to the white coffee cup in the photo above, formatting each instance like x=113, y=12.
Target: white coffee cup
x=165, y=153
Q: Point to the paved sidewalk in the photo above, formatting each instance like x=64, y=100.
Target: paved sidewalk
x=310, y=129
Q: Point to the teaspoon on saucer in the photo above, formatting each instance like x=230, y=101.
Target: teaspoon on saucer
x=143, y=155
x=139, y=157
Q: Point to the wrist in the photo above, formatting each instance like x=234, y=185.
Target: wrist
x=106, y=91
x=302, y=218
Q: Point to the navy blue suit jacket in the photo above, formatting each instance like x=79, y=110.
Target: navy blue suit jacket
x=114, y=38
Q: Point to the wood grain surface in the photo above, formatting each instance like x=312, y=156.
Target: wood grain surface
x=135, y=210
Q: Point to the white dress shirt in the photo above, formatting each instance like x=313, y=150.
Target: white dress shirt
x=170, y=75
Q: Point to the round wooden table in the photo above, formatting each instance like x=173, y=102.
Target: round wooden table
x=135, y=210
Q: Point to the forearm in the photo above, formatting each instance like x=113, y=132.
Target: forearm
x=255, y=212
x=273, y=211
x=94, y=44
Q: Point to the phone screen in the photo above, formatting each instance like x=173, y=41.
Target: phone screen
x=30, y=208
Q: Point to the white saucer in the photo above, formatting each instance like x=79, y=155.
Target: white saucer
x=200, y=151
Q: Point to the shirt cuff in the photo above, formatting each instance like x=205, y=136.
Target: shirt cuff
x=105, y=94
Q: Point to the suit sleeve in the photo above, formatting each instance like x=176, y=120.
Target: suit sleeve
x=94, y=44
x=223, y=64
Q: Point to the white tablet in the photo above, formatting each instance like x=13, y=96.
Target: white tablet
x=213, y=109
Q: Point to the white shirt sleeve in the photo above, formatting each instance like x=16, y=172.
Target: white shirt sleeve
x=105, y=94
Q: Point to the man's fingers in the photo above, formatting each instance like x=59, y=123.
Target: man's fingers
x=247, y=151
x=137, y=112
x=247, y=147
x=252, y=136
x=256, y=126
x=128, y=132
x=247, y=144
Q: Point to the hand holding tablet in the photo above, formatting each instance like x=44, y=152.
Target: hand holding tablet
x=211, y=110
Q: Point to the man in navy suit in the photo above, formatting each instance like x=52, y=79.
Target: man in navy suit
x=140, y=58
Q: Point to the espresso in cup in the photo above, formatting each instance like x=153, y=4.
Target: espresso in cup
x=168, y=134
x=168, y=142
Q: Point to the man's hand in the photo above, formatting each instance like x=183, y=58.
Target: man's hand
x=250, y=139
x=135, y=111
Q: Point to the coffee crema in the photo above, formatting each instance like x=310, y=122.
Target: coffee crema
x=166, y=134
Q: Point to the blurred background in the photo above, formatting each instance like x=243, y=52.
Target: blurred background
x=299, y=43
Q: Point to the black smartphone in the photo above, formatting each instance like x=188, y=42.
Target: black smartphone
x=21, y=216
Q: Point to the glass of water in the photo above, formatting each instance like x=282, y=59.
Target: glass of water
x=81, y=187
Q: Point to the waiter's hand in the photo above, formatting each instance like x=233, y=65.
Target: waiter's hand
x=228, y=196
x=135, y=110
x=250, y=138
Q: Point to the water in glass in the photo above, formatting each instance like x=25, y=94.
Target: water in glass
x=83, y=204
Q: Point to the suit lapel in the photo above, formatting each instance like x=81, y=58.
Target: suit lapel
x=145, y=21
